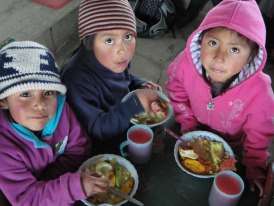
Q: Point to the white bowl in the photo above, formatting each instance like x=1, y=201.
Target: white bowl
x=169, y=109
x=122, y=161
x=205, y=134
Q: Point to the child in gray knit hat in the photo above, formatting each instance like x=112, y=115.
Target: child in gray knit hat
x=98, y=76
x=42, y=144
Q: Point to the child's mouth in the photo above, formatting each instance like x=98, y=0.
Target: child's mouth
x=40, y=117
x=217, y=70
x=123, y=64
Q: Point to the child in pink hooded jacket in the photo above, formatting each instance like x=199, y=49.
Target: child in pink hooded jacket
x=218, y=82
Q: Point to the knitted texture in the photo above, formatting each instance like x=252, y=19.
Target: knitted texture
x=101, y=15
x=26, y=65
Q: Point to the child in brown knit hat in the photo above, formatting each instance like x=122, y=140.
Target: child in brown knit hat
x=98, y=77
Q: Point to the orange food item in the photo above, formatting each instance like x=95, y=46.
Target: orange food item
x=127, y=186
x=228, y=164
x=194, y=166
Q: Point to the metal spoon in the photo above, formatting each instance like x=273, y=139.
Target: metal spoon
x=172, y=134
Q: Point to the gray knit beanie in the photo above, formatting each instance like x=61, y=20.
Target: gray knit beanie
x=26, y=65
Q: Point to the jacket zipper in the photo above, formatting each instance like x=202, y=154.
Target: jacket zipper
x=210, y=107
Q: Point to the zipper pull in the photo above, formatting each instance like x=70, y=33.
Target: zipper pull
x=210, y=105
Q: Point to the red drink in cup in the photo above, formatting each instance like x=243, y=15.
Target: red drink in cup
x=228, y=184
x=139, y=143
x=139, y=136
x=226, y=189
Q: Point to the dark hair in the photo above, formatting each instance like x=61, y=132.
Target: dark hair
x=88, y=42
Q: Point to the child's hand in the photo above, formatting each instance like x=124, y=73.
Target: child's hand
x=92, y=183
x=257, y=183
x=152, y=85
x=146, y=97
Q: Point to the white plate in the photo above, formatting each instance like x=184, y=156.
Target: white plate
x=189, y=136
x=122, y=161
x=169, y=109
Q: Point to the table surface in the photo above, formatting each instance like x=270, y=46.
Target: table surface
x=163, y=183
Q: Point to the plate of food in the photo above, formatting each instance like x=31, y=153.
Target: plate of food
x=161, y=112
x=122, y=176
x=203, y=154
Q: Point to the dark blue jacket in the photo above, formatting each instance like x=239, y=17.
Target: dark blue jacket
x=95, y=94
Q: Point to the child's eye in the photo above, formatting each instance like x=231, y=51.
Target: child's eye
x=128, y=36
x=109, y=41
x=25, y=94
x=212, y=43
x=234, y=50
x=49, y=93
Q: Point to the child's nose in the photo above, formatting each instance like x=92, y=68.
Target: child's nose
x=220, y=55
x=122, y=48
x=39, y=104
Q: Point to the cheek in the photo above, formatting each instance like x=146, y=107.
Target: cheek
x=100, y=52
x=103, y=57
x=132, y=46
x=18, y=113
x=103, y=54
x=52, y=107
x=205, y=57
x=131, y=49
x=131, y=53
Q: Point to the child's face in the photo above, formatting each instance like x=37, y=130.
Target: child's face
x=114, y=49
x=32, y=108
x=224, y=53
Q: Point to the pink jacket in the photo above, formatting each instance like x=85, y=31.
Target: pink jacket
x=243, y=114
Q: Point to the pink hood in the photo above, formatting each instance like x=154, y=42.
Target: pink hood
x=227, y=14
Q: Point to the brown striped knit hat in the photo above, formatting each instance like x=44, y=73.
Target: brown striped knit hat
x=100, y=15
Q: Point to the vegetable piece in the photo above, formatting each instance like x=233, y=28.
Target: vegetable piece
x=112, y=180
x=228, y=164
x=158, y=113
x=104, y=168
x=155, y=106
x=118, y=175
x=127, y=186
x=217, y=152
x=194, y=166
x=187, y=153
x=201, y=147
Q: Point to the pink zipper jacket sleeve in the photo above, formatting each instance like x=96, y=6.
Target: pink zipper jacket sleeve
x=178, y=96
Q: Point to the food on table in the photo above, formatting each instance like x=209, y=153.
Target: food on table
x=194, y=165
x=159, y=111
x=228, y=164
x=217, y=152
x=119, y=178
x=204, y=156
x=188, y=153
